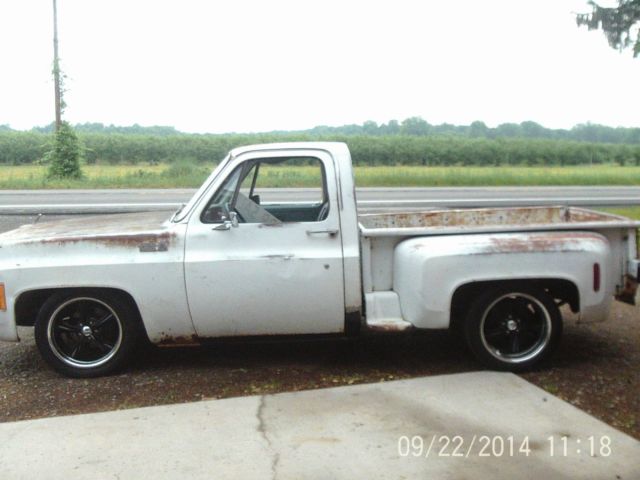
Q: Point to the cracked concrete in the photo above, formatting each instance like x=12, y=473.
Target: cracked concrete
x=337, y=433
x=263, y=431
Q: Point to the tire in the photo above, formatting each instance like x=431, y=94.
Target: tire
x=513, y=327
x=87, y=333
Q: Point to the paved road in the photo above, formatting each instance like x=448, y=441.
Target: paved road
x=115, y=200
x=471, y=425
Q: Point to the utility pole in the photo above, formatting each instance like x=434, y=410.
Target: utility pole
x=56, y=68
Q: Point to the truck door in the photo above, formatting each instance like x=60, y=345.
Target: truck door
x=255, y=265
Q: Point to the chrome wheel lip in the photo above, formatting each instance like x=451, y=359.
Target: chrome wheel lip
x=79, y=363
x=533, y=351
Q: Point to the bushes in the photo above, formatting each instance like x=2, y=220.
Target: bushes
x=19, y=148
x=22, y=148
x=64, y=156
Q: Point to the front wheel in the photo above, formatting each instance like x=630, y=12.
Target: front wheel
x=86, y=333
x=513, y=328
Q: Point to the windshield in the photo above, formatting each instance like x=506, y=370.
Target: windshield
x=184, y=210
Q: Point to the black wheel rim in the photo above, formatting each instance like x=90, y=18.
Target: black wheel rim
x=516, y=327
x=84, y=332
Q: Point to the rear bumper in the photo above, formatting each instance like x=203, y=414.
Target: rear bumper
x=630, y=293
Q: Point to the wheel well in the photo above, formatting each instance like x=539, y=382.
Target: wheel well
x=28, y=304
x=563, y=290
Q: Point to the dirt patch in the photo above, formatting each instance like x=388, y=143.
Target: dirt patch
x=596, y=369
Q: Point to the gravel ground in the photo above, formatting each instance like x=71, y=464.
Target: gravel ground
x=596, y=369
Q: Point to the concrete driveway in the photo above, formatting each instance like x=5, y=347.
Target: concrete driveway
x=471, y=425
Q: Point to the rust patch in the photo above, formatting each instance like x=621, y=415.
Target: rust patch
x=583, y=215
x=262, y=225
x=278, y=224
x=475, y=217
x=151, y=247
x=541, y=242
x=352, y=309
x=179, y=341
x=628, y=293
x=159, y=241
x=465, y=217
x=389, y=326
x=130, y=230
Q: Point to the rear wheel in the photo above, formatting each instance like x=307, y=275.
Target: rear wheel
x=513, y=328
x=86, y=333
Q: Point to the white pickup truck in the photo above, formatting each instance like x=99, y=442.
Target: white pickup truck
x=236, y=262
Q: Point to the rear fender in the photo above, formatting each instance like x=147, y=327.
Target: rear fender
x=428, y=270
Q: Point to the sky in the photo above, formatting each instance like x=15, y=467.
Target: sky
x=254, y=65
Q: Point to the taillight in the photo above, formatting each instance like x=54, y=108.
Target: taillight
x=596, y=277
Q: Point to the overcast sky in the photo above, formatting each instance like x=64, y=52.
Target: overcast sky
x=256, y=65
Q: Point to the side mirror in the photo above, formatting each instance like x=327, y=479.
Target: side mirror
x=228, y=221
x=233, y=216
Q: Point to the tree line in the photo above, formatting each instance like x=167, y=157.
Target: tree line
x=23, y=148
x=414, y=126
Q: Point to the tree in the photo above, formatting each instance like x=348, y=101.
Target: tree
x=508, y=130
x=391, y=128
x=532, y=129
x=478, y=129
x=64, y=157
x=415, y=126
x=370, y=127
x=620, y=24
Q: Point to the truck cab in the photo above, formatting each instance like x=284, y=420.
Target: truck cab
x=258, y=265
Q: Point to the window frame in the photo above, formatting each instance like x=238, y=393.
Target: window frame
x=246, y=167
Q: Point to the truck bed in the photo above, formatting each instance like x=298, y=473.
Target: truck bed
x=482, y=220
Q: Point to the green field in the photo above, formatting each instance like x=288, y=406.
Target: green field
x=631, y=212
x=191, y=175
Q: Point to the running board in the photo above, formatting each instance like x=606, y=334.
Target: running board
x=383, y=313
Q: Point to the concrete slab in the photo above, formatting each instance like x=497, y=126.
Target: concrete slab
x=437, y=427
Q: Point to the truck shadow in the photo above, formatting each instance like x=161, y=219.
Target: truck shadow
x=429, y=352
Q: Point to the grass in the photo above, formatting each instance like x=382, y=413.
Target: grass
x=178, y=175
x=189, y=175
x=496, y=176
x=630, y=212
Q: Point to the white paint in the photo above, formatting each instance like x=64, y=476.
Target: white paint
x=428, y=270
x=266, y=279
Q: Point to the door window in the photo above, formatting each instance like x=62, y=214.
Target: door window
x=252, y=192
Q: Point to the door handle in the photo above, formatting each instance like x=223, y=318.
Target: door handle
x=330, y=231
